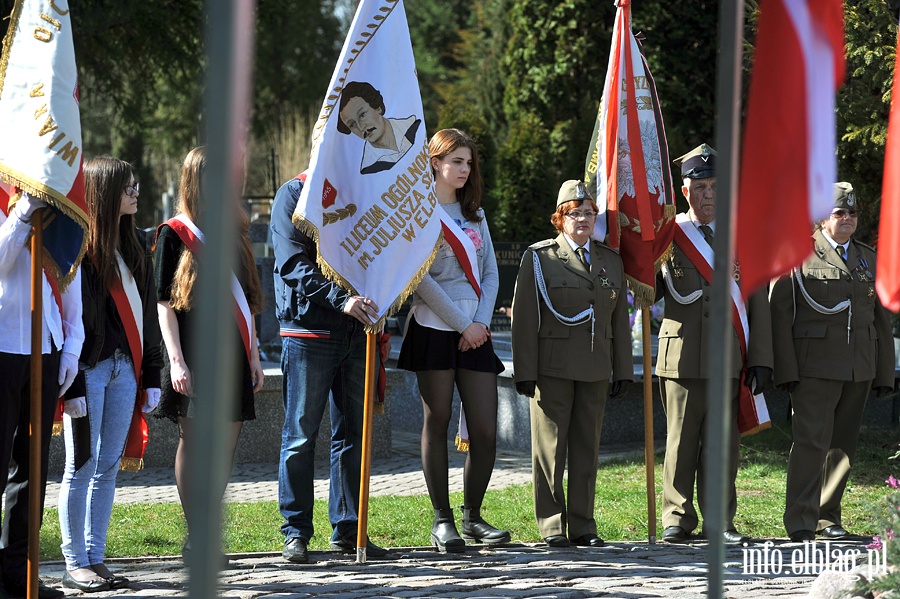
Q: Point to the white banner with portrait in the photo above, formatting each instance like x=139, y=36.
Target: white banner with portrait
x=369, y=197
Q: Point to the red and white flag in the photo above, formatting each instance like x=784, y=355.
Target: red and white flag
x=627, y=167
x=40, y=127
x=788, y=159
x=887, y=281
x=369, y=200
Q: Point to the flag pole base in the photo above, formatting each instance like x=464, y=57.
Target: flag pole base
x=360, y=555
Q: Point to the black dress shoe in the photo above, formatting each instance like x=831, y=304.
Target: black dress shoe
x=557, y=541
x=117, y=582
x=345, y=545
x=733, y=537
x=295, y=550
x=444, y=535
x=799, y=536
x=17, y=590
x=834, y=532
x=87, y=586
x=675, y=534
x=589, y=540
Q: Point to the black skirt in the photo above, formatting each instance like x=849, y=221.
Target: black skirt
x=425, y=348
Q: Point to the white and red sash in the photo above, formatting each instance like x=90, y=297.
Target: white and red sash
x=127, y=300
x=464, y=248
x=192, y=237
x=753, y=414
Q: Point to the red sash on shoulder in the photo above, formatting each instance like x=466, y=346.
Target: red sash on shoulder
x=753, y=414
x=464, y=249
x=192, y=237
x=130, y=315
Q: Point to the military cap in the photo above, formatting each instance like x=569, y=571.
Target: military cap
x=699, y=163
x=572, y=190
x=845, y=197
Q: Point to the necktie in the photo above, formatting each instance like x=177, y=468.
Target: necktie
x=840, y=252
x=707, y=234
x=582, y=254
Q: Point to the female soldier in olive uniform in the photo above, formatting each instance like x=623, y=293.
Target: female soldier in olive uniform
x=833, y=344
x=570, y=339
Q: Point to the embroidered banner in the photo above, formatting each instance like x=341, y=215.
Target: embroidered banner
x=41, y=128
x=369, y=197
x=627, y=167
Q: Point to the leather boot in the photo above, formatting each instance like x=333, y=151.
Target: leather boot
x=475, y=529
x=443, y=532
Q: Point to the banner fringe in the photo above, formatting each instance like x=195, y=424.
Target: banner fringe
x=757, y=429
x=462, y=444
x=57, y=429
x=7, y=42
x=131, y=464
x=309, y=229
x=46, y=195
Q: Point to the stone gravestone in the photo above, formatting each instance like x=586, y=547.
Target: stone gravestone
x=509, y=255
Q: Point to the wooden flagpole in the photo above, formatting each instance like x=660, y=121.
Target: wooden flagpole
x=34, y=457
x=366, y=459
x=649, y=462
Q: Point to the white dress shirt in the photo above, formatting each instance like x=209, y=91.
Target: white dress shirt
x=66, y=334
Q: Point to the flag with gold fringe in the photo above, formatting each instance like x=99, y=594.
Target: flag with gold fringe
x=369, y=197
x=627, y=166
x=40, y=128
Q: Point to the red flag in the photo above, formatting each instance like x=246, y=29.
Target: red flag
x=627, y=167
x=887, y=281
x=788, y=162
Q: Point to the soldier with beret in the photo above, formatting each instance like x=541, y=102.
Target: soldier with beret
x=571, y=348
x=833, y=344
x=684, y=345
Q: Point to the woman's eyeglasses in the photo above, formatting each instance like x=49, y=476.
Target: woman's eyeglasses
x=133, y=190
x=575, y=214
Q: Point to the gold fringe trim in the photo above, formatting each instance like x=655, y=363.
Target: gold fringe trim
x=8, y=40
x=61, y=203
x=131, y=464
x=757, y=429
x=57, y=429
x=309, y=229
x=462, y=444
x=379, y=407
x=669, y=211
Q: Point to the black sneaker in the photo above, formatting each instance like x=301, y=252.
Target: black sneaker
x=345, y=545
x=295, y=550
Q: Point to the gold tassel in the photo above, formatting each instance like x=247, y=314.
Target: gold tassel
x=131, y=464
x=57, y=429
x=757, y=429
x=462, y=444
x=379, y=407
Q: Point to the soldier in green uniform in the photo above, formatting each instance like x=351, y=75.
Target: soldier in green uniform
x=571, y=347
x=833, y=344
x=684, y=344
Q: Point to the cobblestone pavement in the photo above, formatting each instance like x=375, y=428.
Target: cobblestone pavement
x=620, y=570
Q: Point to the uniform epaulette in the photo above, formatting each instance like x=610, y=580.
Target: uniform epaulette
x=542, y=244
x=603, y=245
x=858, y=242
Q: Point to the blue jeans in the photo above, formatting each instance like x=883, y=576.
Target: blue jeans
x=94, y=446
x=315, y=369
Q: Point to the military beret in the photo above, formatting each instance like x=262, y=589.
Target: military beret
x=699, y=163
x=844, y=196
x=572, y=190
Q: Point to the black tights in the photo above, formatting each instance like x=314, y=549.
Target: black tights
x=478, y=391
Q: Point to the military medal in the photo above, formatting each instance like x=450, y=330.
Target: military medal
x=871, y=292
x=736, y=274
x=612, y=294
x=677, y=272
x=604, y=280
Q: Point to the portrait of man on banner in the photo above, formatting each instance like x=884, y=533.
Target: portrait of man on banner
x=387, y=140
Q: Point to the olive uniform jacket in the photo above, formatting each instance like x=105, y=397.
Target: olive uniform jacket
x=684, y=340
x=810, y=344
x=544, y=346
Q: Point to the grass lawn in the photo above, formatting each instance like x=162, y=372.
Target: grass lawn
x=621, y=507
